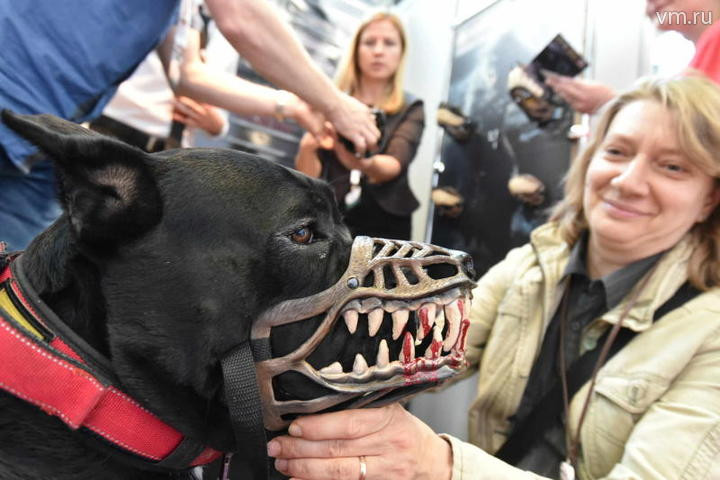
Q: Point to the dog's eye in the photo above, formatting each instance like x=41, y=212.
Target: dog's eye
x=302, y=235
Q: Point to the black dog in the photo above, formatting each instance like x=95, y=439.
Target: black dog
x=160, y=266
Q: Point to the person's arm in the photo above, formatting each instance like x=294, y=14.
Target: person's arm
x=200, y=115
x=254, y=28
x=584, y=96
x=395, y=445
x=207, y=85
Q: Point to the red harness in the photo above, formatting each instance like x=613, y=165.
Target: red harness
x=48, y=366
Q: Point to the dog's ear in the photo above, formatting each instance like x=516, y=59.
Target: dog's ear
x=107, y=187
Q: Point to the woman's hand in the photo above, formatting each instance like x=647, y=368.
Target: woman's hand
x=395, y=444
x=198, y=115
x=349, y=160
x=306, y=160
x=353, y=120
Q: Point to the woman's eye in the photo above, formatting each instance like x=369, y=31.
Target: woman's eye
x=674, y=167
x=302, y=235
x=613, y=151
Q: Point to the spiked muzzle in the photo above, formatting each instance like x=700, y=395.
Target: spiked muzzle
x=402, y=305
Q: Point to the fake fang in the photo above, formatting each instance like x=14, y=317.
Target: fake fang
x=444, y=317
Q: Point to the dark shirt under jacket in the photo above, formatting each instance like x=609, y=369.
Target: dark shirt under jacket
x=587, y=300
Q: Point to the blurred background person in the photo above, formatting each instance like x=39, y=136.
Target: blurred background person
x=696, y=20
x=373, y=191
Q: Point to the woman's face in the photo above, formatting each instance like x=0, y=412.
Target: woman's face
x=379, y=51
x=642, y=194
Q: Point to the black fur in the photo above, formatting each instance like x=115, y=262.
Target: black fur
x=162, y=262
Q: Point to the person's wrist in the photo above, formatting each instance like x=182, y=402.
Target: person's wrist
x=282, y=108
x=444, y=463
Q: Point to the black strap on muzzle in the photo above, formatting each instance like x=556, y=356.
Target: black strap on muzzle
x=245, y=405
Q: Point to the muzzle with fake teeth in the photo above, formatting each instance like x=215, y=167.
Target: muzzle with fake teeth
x=395, y=323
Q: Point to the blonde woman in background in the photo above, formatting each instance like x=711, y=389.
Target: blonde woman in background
x=373, y=191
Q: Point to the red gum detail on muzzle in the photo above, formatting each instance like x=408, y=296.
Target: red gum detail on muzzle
x=462, y=339
x=408, y=349
x=435, y=349
x=424, y=321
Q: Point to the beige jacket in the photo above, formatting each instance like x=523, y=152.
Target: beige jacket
x=655, y=413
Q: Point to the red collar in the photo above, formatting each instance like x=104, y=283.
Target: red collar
x=44, y=363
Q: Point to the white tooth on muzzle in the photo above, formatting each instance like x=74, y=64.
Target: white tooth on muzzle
x=351, y=320
x=383, y=356
x=400, y=318
x=453, y=316
x=440, y=318
x=332, y=368
x=360, y=366
x=375, y=321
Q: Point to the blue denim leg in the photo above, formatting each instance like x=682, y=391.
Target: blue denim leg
x=28, y=203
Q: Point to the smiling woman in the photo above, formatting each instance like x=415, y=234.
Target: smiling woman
x=648, y=178
x=597, y=343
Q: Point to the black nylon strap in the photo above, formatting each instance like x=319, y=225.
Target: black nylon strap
x=261, y=349
x=545, y=412
x=245, y=405
x=183, y=455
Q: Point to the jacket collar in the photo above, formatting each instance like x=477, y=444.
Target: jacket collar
x=45, y=363
x=670, y=273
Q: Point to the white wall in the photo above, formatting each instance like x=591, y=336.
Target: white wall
x=617, y=41
x=429, y=29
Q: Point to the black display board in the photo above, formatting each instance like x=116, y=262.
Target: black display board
x=505, y=142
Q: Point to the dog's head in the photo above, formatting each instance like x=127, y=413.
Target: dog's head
x=167, y=262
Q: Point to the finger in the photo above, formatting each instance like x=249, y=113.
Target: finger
x=325, y=469
x=346, y=424
x=292, y=447
x=190, y=103
x=325, y=141
x=360, y=145
x=181, y=107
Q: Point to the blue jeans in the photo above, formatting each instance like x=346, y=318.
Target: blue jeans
x=28, y=203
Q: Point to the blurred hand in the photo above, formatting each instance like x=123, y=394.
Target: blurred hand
x=351, y=161
x=304, y=115
x=353, y=120
x=583, y=95
x=395, y=445
x=198, y=115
